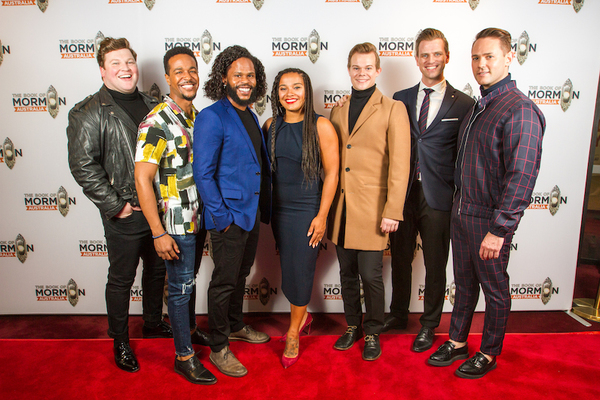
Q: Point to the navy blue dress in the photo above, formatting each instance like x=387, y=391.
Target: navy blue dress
x=295, y=204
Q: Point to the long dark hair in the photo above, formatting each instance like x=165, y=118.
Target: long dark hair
x=213, y=87
x=311, y=161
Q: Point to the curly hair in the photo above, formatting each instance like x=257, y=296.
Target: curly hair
x=311, y=160
x=213, y=87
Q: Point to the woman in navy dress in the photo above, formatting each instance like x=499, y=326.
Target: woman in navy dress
x=305, y=162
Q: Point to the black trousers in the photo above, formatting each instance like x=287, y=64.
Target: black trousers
x=434, y=227
x=233, y=255
x=368, y=265
x=128, y=240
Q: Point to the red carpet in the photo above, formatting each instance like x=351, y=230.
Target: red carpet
x=555, y=366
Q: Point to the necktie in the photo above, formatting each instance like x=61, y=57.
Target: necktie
x=424, y=110
x=423, y=125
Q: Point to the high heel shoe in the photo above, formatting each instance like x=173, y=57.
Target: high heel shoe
x=309, y=320
x=289, y=361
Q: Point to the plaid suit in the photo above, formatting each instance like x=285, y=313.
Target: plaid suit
x=497, y=166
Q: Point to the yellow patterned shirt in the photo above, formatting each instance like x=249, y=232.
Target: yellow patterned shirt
x=165, y=138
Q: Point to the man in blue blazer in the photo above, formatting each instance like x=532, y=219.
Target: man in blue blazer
x=435, y=110
x=232, y=173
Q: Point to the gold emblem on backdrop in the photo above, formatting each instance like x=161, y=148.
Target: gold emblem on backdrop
x=566, y=95
x=206, y=46
x=468, y=90
x=554, y=200
x=258, y=3
x=577, y=4
x=546, y=291
x=452, y=293
x=72, y=292
x=62, y=201
x=264, y=291
x=21, y=248
x=260, y=105
x=97, y=40
x=155, y=92
x=522, y=47
x=473, y=4
x=149, y=4
x=367, y=4
x=52, y=101
x=314, y=46
x=8, y=150
x=43, y=5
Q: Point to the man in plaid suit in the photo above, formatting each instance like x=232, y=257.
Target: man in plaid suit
x=497, y=166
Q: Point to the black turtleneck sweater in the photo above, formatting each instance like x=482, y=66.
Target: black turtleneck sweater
x=357, y=102
x=132, y=103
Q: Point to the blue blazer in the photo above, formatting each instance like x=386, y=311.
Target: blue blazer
x=227, y=173
x=436, y=148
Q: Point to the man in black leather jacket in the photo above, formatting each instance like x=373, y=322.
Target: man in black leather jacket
x=102, y=135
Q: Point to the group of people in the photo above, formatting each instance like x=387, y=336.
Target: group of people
x=430, y=161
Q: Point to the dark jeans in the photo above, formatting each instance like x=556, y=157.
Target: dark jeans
x=434, y=227
x=182, y=289
x=369, y=265
x=233, y=255
x=128, y=240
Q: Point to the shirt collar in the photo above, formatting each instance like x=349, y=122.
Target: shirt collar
x=438, y=88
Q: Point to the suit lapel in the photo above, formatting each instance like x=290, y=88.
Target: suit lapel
x=411, y=108
x=372, y=105
x=238, y=122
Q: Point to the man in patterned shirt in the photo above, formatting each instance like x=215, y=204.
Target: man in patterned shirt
x=164, y=166
x=496, y=169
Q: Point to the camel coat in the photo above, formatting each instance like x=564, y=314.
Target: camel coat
x=374, y=169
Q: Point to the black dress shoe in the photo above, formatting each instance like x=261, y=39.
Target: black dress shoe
x=476, y=367
x=193, y=370
x=424, y=340
x=347, y=340
x=446, y=354
x=125, y=358
x=162, y=330
x=392, y=322
x=372, y=349
x=200, y=337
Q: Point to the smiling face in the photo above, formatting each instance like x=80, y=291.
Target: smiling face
x=120, y=72
x=241, y=83
x=363, y=70
x=182, y=78
x=291, y=92
x=431, y=60
x=489, y=61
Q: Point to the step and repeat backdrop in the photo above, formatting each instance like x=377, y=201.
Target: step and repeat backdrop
x=53, y=256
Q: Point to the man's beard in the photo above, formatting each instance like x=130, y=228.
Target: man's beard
x=232, y=92
x=188, y=98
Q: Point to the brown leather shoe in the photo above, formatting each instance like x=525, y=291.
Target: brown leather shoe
x=226, y=362
x=248, y=334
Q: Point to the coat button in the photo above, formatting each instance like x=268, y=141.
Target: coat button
x=347, y=169
x=257, y=193
x=258, y=173
x=349, y=146
x=420, y=140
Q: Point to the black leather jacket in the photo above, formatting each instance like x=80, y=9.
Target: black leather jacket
x=101, y=144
